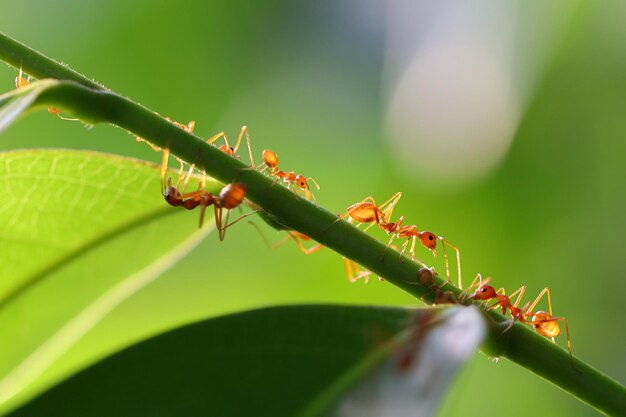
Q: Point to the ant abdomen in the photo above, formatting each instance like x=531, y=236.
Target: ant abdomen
x=232, y=195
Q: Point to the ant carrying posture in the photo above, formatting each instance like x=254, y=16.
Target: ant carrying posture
x=230, y=196
x=270, y=160
x=543, y=322
x=21, y=82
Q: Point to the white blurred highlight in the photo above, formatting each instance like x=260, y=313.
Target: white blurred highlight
x=452, y=114
x=458, y=73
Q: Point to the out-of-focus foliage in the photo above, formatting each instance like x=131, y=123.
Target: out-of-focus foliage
x=73, y=248
x=389, y=361
x=311, y=82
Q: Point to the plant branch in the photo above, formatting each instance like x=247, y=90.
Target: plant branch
x=93, y=104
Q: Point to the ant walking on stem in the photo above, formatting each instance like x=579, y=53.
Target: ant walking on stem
x=270, y=160
x=366, y=211
x=230, y=196
x=427, y=239
x=544, y=323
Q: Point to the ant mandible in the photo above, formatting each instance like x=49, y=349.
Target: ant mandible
x=270, y=160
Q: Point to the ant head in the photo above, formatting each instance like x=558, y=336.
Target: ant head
x=232, y=195
x=227, y=150
x=301, y=181
x=428, y=239
x=171, y=194
x=270, y=158
x=484, y=292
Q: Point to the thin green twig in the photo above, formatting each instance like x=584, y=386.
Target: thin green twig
x=93, y=104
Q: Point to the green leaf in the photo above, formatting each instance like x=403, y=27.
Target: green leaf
x=281, y=361
x=80, y=233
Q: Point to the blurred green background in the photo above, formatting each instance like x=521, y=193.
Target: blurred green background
x=504, y=126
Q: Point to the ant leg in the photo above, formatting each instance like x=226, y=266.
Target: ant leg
x=258, y=229
x=58, y=113
x=465, y=292
x=237, y=220
x=20, y=81
x=180, y=172
x=521, y=290
x=413, y=258
x=347, y=263
x=190, y=126
x=218, y=212
x=290, y=235
x=458, y=258
x=244, y=131
x=353, y=272
x=546, y=320
x=404, y=246
x=142, y=140
x=188, y=177
x=387, y=207
x=298, y=241
x=216, y=137
x=309, y=192
x=382, y=258
x=569, y=342
x=202, y=210
x=164, y=162
x=541, y=294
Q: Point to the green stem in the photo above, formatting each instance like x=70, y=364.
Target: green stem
x=519, y=344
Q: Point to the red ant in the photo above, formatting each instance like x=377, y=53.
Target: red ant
x=427, y=239
x=543, y=322
x=270, y=159
x=231, y=196
x=363, y=212
x=366, y=211
x=21, y=82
